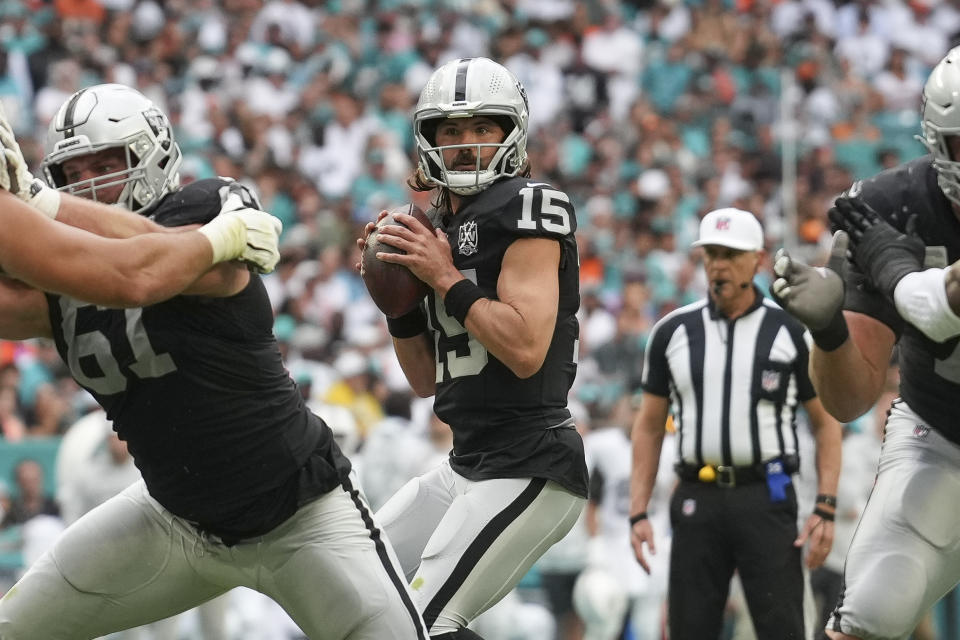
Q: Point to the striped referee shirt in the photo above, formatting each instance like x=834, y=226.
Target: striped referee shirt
x=735, y=384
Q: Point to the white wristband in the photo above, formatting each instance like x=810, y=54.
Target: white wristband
x=921, y=300
x=227, y=235
x=45, y=199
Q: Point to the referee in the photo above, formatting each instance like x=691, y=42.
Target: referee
x=734, y=366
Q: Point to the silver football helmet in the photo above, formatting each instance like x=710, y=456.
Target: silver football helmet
x=114, y=115
x=466, y=88
x=940, y=119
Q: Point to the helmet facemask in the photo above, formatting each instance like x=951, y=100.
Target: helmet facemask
x=936, y=140
x=505, y=162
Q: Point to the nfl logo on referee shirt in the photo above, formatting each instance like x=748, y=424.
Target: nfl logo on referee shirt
x=921, y=431
x=467, y=238
x=770, y=380
x=689, y=507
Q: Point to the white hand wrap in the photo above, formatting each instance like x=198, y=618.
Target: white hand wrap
x=263, y=238
x=227, y=235
x=44, y=198
x=248, y=234
x=921, y=299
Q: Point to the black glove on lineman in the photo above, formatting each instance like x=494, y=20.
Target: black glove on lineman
x=883, y=253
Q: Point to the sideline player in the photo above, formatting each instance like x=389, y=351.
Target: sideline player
x=495, y=343
x=242, y=485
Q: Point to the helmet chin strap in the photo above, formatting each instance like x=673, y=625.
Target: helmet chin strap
x=479, y=180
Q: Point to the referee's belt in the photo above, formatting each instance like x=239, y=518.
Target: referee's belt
x=730, y=476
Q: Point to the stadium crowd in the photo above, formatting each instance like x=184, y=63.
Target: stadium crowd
x=648, y=113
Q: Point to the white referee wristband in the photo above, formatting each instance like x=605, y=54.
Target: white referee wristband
x=227, y=235
x=921, y=300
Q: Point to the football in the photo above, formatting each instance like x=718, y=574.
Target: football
x=394, y=289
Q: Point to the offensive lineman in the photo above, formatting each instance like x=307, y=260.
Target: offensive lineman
x=242, y=485
x=119, y=270
x=899, y=290
x=495, y=343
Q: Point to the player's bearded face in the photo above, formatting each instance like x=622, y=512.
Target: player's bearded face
x=475, y=132
x=466, y=160
x=103, y=170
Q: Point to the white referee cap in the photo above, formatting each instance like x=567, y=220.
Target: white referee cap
x=729, y=227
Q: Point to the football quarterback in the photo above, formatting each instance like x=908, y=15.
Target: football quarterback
x=494, y=341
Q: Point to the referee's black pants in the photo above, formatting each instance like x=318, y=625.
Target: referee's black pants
x=717, y=530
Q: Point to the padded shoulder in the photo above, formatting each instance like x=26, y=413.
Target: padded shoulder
x=200, y=202
x=521, y=207
x=904, y=190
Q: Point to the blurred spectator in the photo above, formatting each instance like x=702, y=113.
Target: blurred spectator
x=865, y=50
x=80, y=10
x=285, y=23
x=373, y=191
x=64, y=81
x=12, y=427
x=620, y=358
x=542, y=80
x=899, y=89
x=394, y=452
x=50, y=414
x=585, y=92
x=339, y=153
x=616, y=50
x=270, y=92
x=353, y=391
x=93, y=465
x=916, y=34
x=31, y=497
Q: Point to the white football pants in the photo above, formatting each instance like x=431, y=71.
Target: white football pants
x=130, y=561
x=464, y=544
x=905, y=554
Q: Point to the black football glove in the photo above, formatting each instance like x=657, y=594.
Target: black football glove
x=884, y=254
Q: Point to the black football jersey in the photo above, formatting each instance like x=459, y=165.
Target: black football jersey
x=504, y=426
x=929, y=371
x=197, y=388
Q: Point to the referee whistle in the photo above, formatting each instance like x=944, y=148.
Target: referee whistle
x=707, y=474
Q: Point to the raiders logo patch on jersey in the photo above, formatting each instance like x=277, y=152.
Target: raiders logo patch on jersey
x=467, y=238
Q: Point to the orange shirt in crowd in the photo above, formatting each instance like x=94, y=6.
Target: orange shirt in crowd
x=80, y=10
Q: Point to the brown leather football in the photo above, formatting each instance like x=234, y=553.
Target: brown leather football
x=394, y=289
